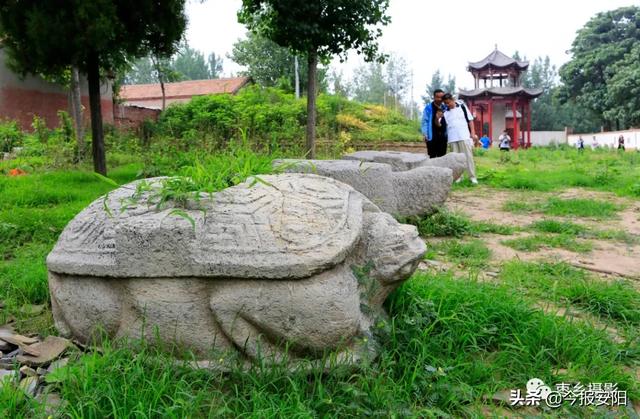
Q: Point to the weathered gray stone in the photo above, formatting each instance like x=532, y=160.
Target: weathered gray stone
x=398, y=160
x=417, y=191
x=457, y=162
x=402, y=161
x=265, y=264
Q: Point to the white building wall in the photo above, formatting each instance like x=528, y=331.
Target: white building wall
x=546, y=138
x=609, y=139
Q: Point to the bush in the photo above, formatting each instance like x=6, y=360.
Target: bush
x=269, y=118
x=10, y=136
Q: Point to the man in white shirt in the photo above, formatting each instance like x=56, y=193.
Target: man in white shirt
x=461, y=132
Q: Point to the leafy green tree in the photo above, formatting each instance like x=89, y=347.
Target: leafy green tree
x=599, y=52
x=624, y=90
x=398, y=78
x=97, y=36
x=369, y=84
x=142, y=71
x=437, y=82
x=339, y=85
x=215, y=63
x=318, y=29
x=269, y=64
x=190, y=64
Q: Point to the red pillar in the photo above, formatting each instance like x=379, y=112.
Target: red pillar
x=528, y=124
x=491, y=119
x=515, y=125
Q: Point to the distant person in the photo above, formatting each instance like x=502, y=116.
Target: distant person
x=504, y=141
x=621, y=143
x=434, y=126
x=594, y=143
x=485, y=141
x=580, y=144
x=461, y=132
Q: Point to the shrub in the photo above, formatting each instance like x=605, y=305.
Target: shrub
x=10, y=136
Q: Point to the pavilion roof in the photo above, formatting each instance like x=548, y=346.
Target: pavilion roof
x=498, y=59
x=501, y=91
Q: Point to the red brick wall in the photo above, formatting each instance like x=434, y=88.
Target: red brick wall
x=22, y=104
x=131, y=117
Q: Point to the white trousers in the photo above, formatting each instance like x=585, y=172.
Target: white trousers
x=465, y=148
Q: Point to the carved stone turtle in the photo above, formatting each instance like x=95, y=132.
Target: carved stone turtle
x=401, y=161
x=294, y=260
x=398, y=184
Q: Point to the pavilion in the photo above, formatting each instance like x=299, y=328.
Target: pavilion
x=498, y=96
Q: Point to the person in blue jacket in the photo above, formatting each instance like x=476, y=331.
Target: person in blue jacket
x=434, y=126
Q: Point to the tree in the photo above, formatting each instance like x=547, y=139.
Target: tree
x=340, y=86
x=215, y=63
x=190, y=64
x=437, y=82
x=369, y=84
x=269, y=64
x=318, y=29
x=141, y=71
x=624, y=90
x=97, y=36
x=599, y=51
x=398, y=78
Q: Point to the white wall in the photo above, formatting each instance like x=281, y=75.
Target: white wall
x=545, y=138
x=609, y=139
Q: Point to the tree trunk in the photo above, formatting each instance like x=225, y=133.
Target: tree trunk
x=97, y=140
x=76, y=112
x=164, y=95
x=311, y=105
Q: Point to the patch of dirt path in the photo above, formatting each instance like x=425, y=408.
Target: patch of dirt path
x=608, y=257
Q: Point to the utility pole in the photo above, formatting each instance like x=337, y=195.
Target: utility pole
x=297, y=71
x=413, y=103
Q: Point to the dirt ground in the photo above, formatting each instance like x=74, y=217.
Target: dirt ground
x=608, y=257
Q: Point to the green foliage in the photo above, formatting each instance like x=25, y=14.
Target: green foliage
x=186, y=64
x=558, y=282
x=271, y=120
x=451, y=343
x=539, y=241
x=382, y=84
x=10, y=136
x=271, y=65
x=438, y=82
x=472, y=254
x=602, y=49
x=449, y=224
x=563, y=167
x=325, y=28
x=47, y=37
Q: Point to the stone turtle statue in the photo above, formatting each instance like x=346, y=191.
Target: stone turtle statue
x=402, y=161
x=297, y=261
x=402, y=184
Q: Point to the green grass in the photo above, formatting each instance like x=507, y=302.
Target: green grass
x=538, y=241
x=585, y=208
x=448, y=344
x=445, y=223
x=559, y=282
x=578, y=230
x=470, y=254
x=563, y=167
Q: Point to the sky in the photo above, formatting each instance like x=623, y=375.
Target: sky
x=432, y=35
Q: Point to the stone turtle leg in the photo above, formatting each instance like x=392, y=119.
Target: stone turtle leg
x=176, y=310
x=275, y=318
x=84, y=305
